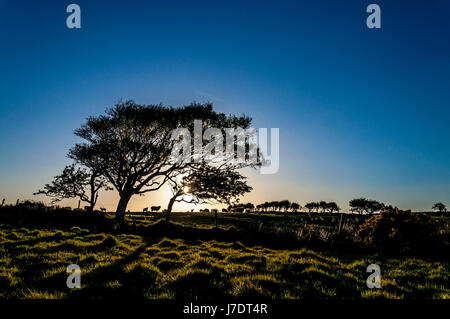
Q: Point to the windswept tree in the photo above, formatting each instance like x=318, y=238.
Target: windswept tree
x=358, y=205
x=439, y=207
x=76, y=182
x=332, y=207
x=285, y=205
x=373, y=206
x=364, y=205
x=133, y=144
x=323, y=206
x=264, y=206
x=310, y=206
x=207, y=184
x=295, y=207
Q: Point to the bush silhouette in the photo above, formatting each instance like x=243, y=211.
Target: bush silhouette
x=396, y=231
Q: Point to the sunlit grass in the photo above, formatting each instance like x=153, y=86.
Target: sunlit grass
x=33, y=264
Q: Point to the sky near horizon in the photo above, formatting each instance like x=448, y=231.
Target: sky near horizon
x=361, y=112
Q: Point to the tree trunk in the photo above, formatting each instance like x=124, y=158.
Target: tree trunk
x=215, y=216
x=93, y=198
x=91, y=206
x=169, y=207
x=121, y=208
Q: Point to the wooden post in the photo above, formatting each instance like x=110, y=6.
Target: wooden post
x=340, y=223
x=17, y=203
x=3, y=202
x=215, y=214
x=79, y=204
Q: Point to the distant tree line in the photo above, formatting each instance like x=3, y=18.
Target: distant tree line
x=359, y=205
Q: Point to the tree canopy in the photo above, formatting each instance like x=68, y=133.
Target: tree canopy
x=207, y=184
x=131, y=145
x=364, y=205
x=76, y=182
x=439, y=207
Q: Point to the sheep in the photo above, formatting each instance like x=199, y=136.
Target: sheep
x=155, y=208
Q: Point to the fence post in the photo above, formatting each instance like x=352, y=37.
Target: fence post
x=3, y=202
x=215, y=215
x=17, y=203
x=340, y=223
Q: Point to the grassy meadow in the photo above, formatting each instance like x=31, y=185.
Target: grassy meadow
x=190, y=259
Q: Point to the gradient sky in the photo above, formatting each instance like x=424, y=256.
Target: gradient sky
x=361, y=112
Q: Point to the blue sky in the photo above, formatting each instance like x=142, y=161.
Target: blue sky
x=361, y=112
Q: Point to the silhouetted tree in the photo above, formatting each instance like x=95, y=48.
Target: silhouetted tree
x=295, y=207
x=323, y=206
x=362, y=205
x=373, y=206
x=310, y=206
x=76, y=182
x=207, y=184
x=332, y=206
x=133, y=144
x=266, y=206
x=285, y=205
x=439, y=207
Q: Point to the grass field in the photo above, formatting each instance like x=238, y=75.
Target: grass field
x=33, y=262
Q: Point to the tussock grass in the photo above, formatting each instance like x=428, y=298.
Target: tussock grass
x=33, y=264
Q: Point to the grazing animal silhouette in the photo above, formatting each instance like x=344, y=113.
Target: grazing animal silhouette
x=103, y=209
x=145, y=210
x=155, y=208
x=224, y=210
